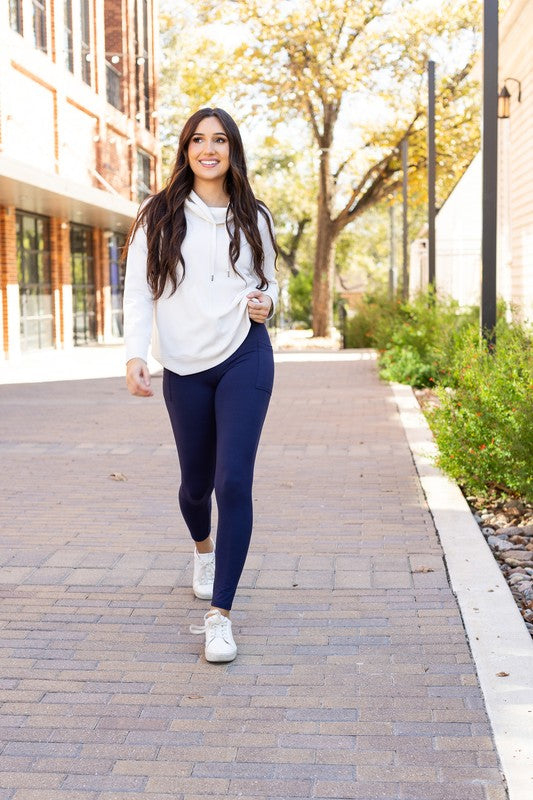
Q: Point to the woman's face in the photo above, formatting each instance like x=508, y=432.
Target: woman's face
x=208, y=150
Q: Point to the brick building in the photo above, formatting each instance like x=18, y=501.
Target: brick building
x=78, y=152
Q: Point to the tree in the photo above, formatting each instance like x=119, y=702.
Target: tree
x=188, y=76
x=284, y=179
x=337, y=64
x=348, y=80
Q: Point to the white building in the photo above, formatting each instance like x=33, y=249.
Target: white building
x=458, y=224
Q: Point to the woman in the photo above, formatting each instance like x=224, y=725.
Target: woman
x=200, y=264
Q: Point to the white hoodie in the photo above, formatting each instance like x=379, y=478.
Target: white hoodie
x=206, y=319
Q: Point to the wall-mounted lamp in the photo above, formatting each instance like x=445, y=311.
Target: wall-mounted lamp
x=140, y=61
x=504, y=99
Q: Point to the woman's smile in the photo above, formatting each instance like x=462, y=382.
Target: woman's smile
x=208, y=150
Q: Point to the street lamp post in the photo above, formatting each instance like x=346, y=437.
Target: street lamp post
x=405, y=269
x=490, y=169
x=392, y=254
x=431, y=174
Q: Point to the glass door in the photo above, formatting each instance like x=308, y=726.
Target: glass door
x=83, y=286
x=35, y=287
x=116, y=281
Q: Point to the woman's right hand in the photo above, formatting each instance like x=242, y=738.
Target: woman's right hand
x=138, y=378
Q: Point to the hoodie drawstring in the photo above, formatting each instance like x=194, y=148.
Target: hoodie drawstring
x=216, y=217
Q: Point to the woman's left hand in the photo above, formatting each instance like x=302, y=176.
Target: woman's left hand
x=259, y=305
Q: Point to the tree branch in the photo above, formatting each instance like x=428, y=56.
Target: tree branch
x=340, y=168
x=376, y=175
x=289, y=254
x=314, y=125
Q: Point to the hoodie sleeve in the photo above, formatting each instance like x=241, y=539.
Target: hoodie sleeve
x=138, y=300
x=269, y=264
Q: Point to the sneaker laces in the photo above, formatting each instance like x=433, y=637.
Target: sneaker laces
x=219, y=625
x=206, y=573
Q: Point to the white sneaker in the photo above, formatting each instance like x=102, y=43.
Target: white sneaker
x=219, y=642
x=203, y=575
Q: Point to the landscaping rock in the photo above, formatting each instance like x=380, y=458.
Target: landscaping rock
x=500, y=544
x=523, y=540
x=518, y=577
x=495, y=519
x=517, y=558
x=512, y=530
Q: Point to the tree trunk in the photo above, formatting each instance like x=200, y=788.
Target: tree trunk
x=324, y=253
x=323, y=278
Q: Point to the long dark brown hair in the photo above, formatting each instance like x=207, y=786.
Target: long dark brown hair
x=163, y=214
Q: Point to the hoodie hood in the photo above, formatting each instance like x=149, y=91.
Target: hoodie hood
x=216, y=220
x=217, y=215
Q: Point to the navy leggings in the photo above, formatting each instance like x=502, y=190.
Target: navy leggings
x=217, y=416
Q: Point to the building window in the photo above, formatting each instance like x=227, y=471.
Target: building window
x=143, y=175
x=142, y=67
x=83, y=286
x=67, y=35
x=146, y=70
x=138, y=64
x=115, y=246
x=39, y=25
x=114, y=12
x=86, y=55
x=35, y=286
x=15, y=16
x=113, y=85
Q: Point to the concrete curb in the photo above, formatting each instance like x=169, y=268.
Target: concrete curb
x=496, y=632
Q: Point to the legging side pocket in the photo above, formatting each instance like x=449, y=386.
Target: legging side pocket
x=265, y=368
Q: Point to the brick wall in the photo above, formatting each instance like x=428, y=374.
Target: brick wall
x=60, y=272
x=101, y=278
x=114, y=30
x=8, y=264
x=114, y=162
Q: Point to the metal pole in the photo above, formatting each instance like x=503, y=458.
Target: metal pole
x=490, y=169
x=431, y=174
x=392, y=264
x=405, y=270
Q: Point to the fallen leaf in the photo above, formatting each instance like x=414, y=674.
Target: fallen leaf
x=423, y=569
x=118, y=476
x=502, y=674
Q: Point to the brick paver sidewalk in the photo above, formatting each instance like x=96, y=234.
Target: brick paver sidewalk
x=354, y=677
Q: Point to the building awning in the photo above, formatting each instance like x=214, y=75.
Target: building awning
x=29, y=189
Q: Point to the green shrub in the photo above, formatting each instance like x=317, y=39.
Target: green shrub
x=418, y=347
x=484, y=425
x=372, y=315
x=300, y=296
x=415, y=339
